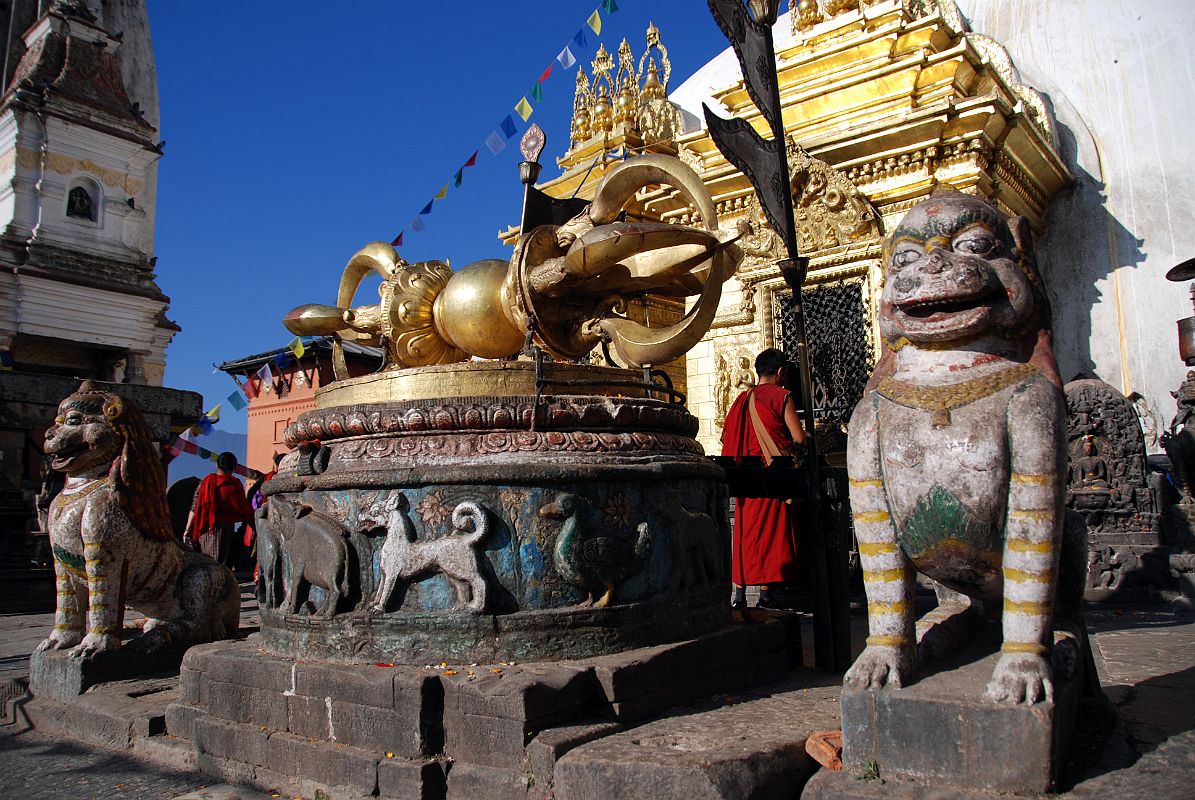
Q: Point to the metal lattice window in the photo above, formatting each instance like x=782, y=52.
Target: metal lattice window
x=840, y=352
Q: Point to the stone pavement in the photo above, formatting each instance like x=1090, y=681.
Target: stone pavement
x=1145, y=656
x=37, y=767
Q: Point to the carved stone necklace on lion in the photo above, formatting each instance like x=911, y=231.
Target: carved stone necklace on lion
x=941, y=400
x=70, y=494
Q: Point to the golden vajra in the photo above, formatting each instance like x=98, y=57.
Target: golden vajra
x=567, y=286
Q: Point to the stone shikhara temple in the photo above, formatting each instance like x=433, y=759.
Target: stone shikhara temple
x=79, y=148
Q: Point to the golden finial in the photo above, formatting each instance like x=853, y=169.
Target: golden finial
x=603, y=63
x=600, y=115
x=601, y=118
x=652, y=88
x=807, y=15
x=627, y=100
x=582, y=108
x=654, y=43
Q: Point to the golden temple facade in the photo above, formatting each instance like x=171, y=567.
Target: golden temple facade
x=882, y=102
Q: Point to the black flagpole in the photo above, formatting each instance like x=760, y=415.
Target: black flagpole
x=765, y=163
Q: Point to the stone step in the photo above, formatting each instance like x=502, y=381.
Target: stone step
x=223, y=791
x=752, y=746
x=270, y=760
x=115, y=715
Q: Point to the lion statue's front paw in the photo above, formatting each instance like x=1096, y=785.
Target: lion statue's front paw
x=57, y=641
x=1021, y=678
x=881, y=665
x=94, y=643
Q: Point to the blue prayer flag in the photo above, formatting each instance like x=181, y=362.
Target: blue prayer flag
x=508, y=127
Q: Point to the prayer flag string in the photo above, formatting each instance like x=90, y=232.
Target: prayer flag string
x=496, y=141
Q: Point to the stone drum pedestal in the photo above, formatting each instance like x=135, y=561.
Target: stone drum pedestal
x=456, y=559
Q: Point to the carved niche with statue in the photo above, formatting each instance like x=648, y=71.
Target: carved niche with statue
x=1108, y=482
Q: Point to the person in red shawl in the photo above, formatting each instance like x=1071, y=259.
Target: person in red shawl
x=764, y=548
x=219, y=505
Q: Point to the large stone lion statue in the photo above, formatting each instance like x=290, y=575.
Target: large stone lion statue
x=957, y=451
x=112, y=542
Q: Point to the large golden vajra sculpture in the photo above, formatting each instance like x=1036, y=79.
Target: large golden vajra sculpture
x=567, y=286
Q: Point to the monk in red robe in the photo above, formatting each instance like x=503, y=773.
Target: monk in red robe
x=219, y=505
x=764, y=548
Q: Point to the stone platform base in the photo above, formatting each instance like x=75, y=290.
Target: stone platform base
x=942, y=731
x=495, y=731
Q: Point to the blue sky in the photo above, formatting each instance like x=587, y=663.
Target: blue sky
x=298, y=132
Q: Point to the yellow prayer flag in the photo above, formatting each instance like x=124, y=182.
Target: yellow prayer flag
x=595, y=21
x=296, y=347
x=523, y=109
x=213, y=416
x=440, y=195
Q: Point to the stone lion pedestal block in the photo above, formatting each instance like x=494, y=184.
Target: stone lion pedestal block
x=942, y=730
x=59, y=677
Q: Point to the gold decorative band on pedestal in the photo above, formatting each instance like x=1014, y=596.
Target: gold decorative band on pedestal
x=476, y=379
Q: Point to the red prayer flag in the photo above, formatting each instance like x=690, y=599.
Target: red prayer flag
x=397, y=240
x=472, y=160
x=247, y=388
x=547, y=72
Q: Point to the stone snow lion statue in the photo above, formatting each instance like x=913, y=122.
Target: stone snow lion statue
x=112, y=542
x=957, y=456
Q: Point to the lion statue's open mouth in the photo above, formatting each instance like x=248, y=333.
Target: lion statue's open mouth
x=935, y=309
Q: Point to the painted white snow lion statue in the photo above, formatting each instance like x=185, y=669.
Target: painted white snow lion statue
x=112, y=542
x=957, y=455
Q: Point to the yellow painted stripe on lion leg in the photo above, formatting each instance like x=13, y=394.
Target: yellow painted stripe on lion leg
x=1032, y=478
x=889, y=641
x=1021, y=546
x=1023, y=647
x=103, y=629
x=62, y=626
x=1026, y=576
x=883, y=575
x=1026, y=607
x=865, y=483
x=1034, y=514
x=899, y=607
x=872, y=516
x=877, y=548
